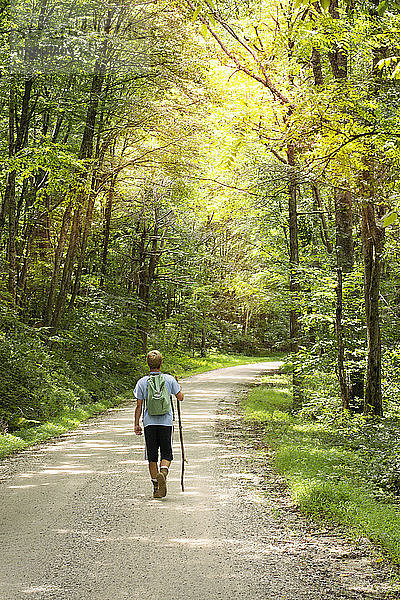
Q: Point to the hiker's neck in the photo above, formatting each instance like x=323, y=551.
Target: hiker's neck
x=155, y=370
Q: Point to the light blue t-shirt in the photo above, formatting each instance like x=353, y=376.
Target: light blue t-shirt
x=140, y=392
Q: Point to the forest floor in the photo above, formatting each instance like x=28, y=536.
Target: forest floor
x=78, y=520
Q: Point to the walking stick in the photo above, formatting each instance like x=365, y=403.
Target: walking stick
x=178, y=406
x=182, y=446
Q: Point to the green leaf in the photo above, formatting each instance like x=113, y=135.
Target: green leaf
x=196, y=14
x=382, y=7
x=325, y=4
x=389, y=218
x=211, y=19
x=211, y=4
x=204, y=30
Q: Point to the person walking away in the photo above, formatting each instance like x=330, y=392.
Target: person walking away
x=154, y=392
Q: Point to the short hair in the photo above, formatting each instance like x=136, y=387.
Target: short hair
x=154, y=359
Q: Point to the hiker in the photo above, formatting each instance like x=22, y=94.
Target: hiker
x=156, y=390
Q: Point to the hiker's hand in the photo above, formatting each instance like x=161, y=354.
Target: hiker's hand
x=138, y=430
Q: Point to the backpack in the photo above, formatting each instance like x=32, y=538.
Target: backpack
x=158, y=399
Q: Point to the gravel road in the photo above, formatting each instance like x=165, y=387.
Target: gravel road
x=78, y=520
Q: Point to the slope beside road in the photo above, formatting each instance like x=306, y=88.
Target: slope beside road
x=78, y=520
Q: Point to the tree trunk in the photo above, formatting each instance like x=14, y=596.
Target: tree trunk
x=85, y=152
x=142, y=290
x=83, y=245
x=344, y=226
x=68, y=267
x=294, y=283
x=324, y=225
x=149, y=256
x=95, y=183
x=12, y=234
x=203, y=342
x=344, y=230
x=317, y=67
x=372, y=242
x=17, y=139
x=43, y=230
x=203, y=352
x=338, y=57
x=57, y=263
x=191, y=341
x=29, y=235
x=345, y=262
x=246, y=323
x=341, y=372
x=86, y=149
x=9, y=199
x=343, y=200
x=106, y=238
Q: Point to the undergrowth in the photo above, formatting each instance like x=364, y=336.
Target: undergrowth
x=345, y=470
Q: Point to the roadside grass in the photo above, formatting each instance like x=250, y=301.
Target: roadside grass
x=71, y=417
x=328, y=474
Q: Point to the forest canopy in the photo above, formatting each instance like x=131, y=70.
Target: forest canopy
x=199, y=177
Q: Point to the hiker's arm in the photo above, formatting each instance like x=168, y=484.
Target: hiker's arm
x=179, y=395
x=138, y=412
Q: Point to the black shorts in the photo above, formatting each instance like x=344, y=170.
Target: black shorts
x=158, y=437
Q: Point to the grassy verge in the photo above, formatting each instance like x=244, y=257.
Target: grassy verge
x=70, y=418
x=329, y=468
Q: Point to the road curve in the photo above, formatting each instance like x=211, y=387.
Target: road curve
x=78, y=520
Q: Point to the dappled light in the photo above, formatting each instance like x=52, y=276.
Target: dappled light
x=42, y=589
x=100, y=518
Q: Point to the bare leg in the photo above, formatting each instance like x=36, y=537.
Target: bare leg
x=165, y=463
x=153, y=469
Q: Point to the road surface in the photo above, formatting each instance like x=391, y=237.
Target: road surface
x=78, y=520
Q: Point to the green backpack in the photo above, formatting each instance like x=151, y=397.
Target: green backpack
x=158, y=398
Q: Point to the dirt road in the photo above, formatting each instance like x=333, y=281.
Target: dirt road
x=78, y=520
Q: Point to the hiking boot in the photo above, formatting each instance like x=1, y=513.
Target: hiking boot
x=162, y=486
x=155, y=488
